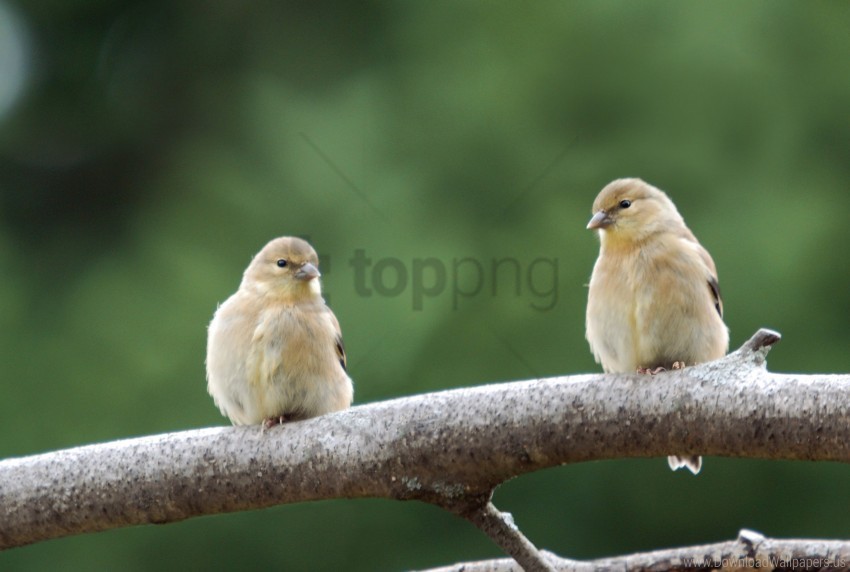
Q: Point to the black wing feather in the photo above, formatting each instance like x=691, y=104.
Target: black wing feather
x=715, y=292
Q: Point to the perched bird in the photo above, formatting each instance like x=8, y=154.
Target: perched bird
x=274, y=348
x=654, y=299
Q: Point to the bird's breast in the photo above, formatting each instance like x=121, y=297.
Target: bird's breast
x=294, y=341
x=611, y=313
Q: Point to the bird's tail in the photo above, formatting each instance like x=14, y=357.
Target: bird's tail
x=692, y=462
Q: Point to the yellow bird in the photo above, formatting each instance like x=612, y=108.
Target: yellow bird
x=274, y=348
x=654, y=299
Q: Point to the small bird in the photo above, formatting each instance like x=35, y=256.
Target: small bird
x=654, y=301
x=274, y=348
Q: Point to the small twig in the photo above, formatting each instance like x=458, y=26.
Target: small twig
x=500, y=527
x=760, y=344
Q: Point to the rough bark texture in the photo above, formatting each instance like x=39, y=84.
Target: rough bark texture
x=501, y=528
x=450, y=448
x=750, y=550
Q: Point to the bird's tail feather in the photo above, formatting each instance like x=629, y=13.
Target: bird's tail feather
x=692, y=462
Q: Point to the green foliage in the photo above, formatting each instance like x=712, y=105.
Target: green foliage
x=156, y=147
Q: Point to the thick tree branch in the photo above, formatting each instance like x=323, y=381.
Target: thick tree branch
x=445, y=448
x=750, y=550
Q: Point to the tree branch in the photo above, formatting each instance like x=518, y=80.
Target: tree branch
x=446, y=448
x=750, y=550
x=501, y=528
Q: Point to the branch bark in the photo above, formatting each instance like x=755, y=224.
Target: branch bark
x=750, y=550
x=449, y=448
x=501, y=528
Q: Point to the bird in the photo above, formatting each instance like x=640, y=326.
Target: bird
x=274, y=348
x=654, y=301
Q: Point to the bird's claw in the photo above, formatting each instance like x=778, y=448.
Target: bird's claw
x=659, y=369
x=272, y=421
x=650, y=371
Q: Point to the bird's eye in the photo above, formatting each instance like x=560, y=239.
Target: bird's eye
x=282, y=263
x=625, y=203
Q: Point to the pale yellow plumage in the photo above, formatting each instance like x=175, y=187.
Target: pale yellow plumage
x=274, y=348
x=654, y=298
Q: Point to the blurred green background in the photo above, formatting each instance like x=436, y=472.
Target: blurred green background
x=149, y=149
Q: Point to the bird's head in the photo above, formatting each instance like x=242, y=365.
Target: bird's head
x=630, y=210
x=286, y=268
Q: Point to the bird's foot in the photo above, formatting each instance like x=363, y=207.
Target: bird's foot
x=659, y=369
x=272, y=421
x=650, y=371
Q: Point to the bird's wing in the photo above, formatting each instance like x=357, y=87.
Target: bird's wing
x=715, y=291
x=713, y=284
x=340, y=347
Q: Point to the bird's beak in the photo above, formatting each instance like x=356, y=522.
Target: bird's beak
x=600, y=220
x=307, y=272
